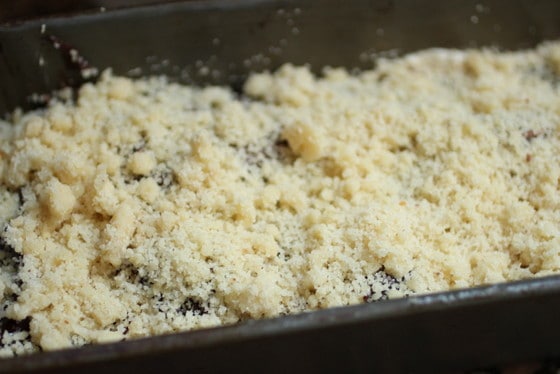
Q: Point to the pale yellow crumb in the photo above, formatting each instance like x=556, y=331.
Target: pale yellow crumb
x=146, y=207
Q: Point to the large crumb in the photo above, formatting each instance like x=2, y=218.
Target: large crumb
x=146, y=207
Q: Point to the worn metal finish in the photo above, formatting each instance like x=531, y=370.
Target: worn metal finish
x=457, y=330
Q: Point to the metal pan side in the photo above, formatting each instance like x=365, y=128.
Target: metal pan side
x=448, y=331
x=231, y=38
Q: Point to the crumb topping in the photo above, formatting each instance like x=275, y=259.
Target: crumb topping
x=145, y=207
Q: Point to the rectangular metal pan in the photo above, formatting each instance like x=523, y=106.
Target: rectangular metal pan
x=453, y=331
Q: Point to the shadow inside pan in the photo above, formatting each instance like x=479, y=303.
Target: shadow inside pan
x=219, y=42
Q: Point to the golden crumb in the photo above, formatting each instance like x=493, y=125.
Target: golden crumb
x=145, y=207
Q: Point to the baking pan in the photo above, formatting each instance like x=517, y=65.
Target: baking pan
x=28, y=9
x=219, y=42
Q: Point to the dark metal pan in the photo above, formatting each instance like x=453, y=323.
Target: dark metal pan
x=452, y=331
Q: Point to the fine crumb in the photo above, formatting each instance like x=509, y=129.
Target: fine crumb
x=142, y=207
